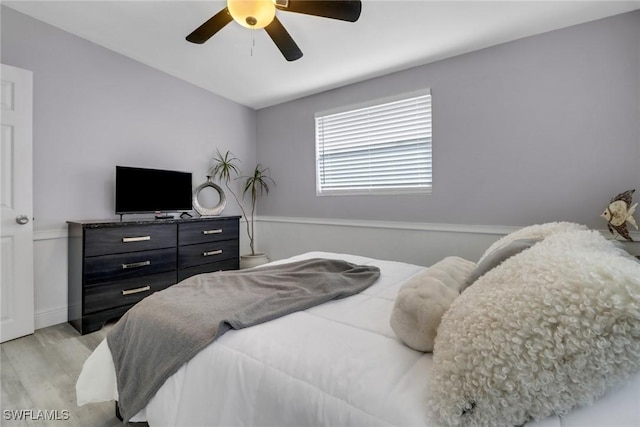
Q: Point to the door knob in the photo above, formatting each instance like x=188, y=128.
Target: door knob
x=22, y=219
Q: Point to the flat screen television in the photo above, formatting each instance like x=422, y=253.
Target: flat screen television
x=141, y=190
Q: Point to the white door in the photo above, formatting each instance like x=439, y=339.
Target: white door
x=16, y=204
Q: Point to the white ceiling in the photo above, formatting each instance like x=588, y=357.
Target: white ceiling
x=391, y=35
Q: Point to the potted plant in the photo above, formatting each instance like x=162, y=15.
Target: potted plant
x=225, y=168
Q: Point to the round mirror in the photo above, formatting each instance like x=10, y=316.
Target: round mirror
x=203, y=210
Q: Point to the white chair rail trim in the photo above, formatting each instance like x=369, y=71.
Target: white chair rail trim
x=56, y=233
x=61, y=233
x=449, y=228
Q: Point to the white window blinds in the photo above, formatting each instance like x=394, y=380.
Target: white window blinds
x=380, y=148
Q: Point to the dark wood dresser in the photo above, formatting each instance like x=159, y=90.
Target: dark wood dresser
x=113, y=265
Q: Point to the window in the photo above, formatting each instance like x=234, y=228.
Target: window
x=383, y=147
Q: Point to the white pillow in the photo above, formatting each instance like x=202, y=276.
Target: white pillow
x=423, y=300
x=551, y=328
x=496, y=257
x=533, y=232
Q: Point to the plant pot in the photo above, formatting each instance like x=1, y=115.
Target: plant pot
x=248, y=261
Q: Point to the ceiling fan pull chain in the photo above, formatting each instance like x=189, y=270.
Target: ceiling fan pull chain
x=253, y=40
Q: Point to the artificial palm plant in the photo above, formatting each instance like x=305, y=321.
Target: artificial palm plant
x=225, y=168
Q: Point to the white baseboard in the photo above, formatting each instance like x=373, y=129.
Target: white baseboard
x=52, y=317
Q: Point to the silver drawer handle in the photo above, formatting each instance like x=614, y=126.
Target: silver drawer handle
x=135, y=239
x=216, y=231
x=136, y=264
x=135, y=291
x=217, y=252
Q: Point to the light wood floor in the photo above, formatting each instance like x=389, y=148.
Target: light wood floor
x=39, y=372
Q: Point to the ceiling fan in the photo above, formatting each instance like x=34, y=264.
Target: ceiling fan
x=256, y=14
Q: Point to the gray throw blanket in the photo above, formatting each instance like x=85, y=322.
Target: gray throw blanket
x=165, y=330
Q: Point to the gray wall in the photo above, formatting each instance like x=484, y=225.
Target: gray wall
x=94, y=109
x=544, y=128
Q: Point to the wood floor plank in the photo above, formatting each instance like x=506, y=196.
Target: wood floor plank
x=39, y=372
x=13, y=393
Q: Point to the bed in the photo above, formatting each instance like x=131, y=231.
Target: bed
x=336, y=364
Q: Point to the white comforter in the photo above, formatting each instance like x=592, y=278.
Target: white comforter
x=337, y=364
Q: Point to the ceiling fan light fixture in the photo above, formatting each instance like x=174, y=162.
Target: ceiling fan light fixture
x=257, y=14
x=254, y=14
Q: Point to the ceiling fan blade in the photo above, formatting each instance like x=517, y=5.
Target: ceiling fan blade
x=344, y=10
x=283, y=40
x=205, y=31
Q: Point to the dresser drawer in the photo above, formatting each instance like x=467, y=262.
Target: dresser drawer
x=206, y=253
x=207, y=231
x=123, y=266
x=112, y=240
x=125, y=292
x=228, y=264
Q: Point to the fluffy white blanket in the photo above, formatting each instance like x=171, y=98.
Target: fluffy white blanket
x=551, y=328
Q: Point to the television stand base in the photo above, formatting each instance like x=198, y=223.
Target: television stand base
x=164, y=217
